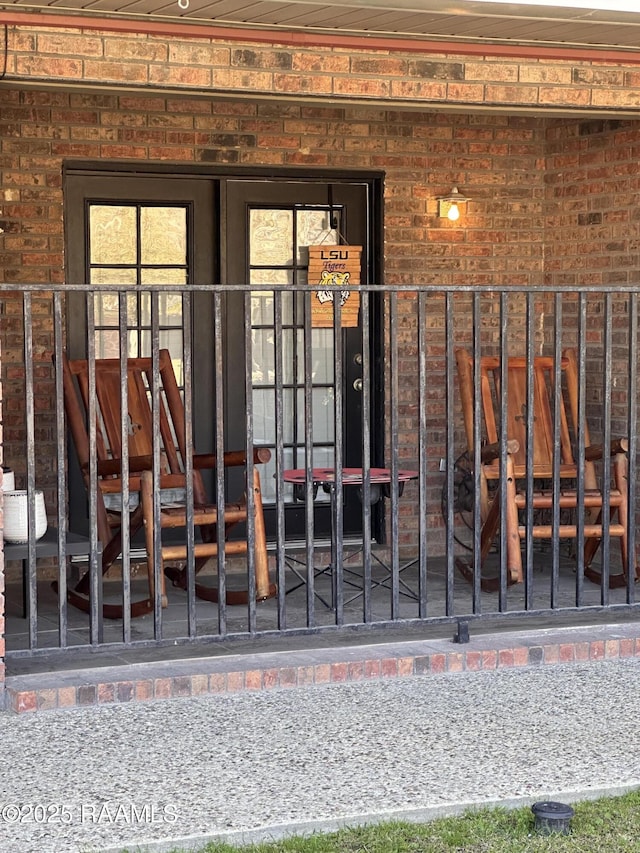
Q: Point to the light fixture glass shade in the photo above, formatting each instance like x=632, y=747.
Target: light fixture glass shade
x=448, y=204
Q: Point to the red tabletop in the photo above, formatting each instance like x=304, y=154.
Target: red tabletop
x=350, y=476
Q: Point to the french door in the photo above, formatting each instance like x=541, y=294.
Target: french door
x=269, y=227
x=180, y=230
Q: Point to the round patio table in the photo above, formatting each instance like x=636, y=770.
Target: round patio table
x=380, y=480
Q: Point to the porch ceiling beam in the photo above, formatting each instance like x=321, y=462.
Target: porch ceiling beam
x=302, y=39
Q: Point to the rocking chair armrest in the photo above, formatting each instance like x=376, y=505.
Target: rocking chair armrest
x=596, y=451
x=231, y=458
x=489, y=452
x=137, y=464
x=114, y=485
x=113, y=467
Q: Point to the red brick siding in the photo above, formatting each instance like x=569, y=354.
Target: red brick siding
x=593, y=193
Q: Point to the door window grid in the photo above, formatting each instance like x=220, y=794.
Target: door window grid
x=138, y=244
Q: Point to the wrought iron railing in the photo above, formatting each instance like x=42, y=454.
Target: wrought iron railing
x=387, y=539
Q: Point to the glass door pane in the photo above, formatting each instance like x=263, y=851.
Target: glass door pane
x=278, y=254
x=138, y=244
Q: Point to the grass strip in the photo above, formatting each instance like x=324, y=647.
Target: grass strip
x=599, y=826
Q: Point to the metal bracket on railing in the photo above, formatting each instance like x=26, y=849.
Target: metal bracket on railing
x=462, y=634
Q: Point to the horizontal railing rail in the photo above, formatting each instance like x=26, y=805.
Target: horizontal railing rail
x=463, y=452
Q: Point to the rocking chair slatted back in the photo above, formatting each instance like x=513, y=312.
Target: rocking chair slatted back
x=543, y=440
x=109, y=432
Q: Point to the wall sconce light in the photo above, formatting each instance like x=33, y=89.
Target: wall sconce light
x=448, y=204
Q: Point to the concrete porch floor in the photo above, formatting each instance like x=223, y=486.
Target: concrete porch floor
x=175, y=625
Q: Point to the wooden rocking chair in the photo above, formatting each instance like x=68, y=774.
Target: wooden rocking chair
x=171, y=476
x=543, y=377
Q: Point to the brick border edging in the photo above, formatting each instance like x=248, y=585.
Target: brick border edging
x=267, y=678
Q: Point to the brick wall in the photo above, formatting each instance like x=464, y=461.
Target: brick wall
x=593, y=193
x=593, y=220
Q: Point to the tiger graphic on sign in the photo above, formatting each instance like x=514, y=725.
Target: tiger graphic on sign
x=333, y=279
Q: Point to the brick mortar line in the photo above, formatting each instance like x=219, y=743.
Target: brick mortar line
x=342, y=672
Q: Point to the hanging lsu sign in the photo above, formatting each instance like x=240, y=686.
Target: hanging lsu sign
x=335, y=269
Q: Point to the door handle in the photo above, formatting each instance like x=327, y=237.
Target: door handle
x=357, y=384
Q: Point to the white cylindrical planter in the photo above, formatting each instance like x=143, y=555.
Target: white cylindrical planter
x=16, y=516
x=8, y=480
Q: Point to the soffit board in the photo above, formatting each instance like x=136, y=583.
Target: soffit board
x=465, y=20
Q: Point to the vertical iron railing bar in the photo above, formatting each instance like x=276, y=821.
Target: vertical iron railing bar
x=139, y=296
x=187, y=462
x=393, y=450
x=632, y=457
x=96, y=579
x=250, y=465
x=337, y=522
x=279, y=412
x=555, y=473
x=156, y=403
x=477, y=462
x=219, y=452
x=125, y=496
x=61, y=469
x=450, y=442
x=423, y=459
x=606, y=456
x=365, y=344
x=528, y=564
x=32, y=574
x=503, y=439
x=582, y=413
x=309, y=509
